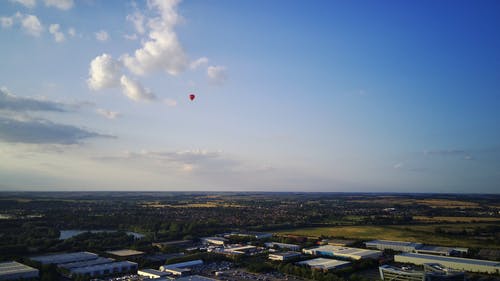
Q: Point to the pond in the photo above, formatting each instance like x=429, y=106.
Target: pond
x=65, y=234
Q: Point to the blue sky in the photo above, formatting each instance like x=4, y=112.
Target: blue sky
x=387, y=96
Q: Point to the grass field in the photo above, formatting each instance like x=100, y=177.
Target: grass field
x=416, y=233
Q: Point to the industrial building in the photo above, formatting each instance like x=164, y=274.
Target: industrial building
x=431, y=272
x=400, y=246
x=291, y=247
x=152, y=273
x=125, y=253
x=343, y=252
x=240, y=250
x=284, y=256
x=471, y=265
x=97, y=261
x=214, y=240
x=435, y=250
x=324, y=264
x=14, y=270
x=181, y=268
x=65, y=258
x=104, y=269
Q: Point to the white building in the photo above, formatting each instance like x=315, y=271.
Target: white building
x=151, y=273
x=343, y=252
x=284, y=256
x=181, y=268
x=291, y=247
x=13, y=270
x=214, y=240
x=400, y=246
x=472, y=265
x=324, y=264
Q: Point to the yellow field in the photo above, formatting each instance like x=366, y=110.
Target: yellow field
x=418, y=233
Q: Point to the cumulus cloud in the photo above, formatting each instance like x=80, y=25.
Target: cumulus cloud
x=134, y=90
x=60, y=4
x=162, y=51
x=41, y=131
x=104, y=73
x=31, y=24
x=54, y=29
x=27, y=3
x=6, y=22
x=102, y=35
x=217, y=74
x=108, y=113
x=131, y=37
x=199, y=63
x=9, y=101
x=137, y=20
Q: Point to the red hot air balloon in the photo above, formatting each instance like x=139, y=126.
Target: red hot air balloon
x=192, y=96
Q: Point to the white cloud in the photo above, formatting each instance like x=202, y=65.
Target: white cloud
x=59, y=4
x=137, y=19
x=55, y=30
x=217, y=74
x=71, y=31
x=199, y=63
x=108, y=113
x=162, y=51
x=102, y=35
x=6, y=21
x=398, y=165
x=170, y=102
x=134, y=90
x=104, y=73
x=31, y=24
x=131, y=37
x=27, y=3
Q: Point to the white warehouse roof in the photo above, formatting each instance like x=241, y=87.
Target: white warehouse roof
x=325, y=264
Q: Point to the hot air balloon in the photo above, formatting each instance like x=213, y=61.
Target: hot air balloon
x=192, y=96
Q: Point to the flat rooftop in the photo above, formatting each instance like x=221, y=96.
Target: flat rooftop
x=125, y=253
x=99, y=267
x=152, y=271
x=324, y=263
x=65, y=258
x=451, y=259
x=86, y=263
x=346, y=251
x=14, y=267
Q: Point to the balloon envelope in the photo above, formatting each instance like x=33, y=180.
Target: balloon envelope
x=192, y=96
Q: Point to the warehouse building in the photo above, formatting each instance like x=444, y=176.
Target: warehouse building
x=324, y=264
x=431, y=272
x=220, y=241
x=251, y=234
x=343, y=252
x=400, y=246
x=471, y=265
x=65, y=258
x=14, y=270
x=126, y=253
x=291, y=247
x=284, y=256
x=181, y=268
x=435, y=250
x=240, y=250
x=97, y=261
x=151, y=273
x=104, y=269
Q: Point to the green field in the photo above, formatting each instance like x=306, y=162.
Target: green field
x=417, y=233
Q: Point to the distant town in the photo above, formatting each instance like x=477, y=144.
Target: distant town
x=248, y=236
